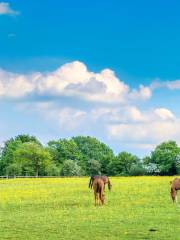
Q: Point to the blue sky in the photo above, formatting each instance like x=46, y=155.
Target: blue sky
x=108, y=69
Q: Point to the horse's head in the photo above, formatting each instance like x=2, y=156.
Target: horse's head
x=109, y=185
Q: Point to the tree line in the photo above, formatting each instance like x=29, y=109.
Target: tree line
x=25, y=155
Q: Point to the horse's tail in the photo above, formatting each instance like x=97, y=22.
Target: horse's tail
x=97, y=188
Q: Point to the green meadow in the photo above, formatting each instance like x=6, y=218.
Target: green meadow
x=63, y=208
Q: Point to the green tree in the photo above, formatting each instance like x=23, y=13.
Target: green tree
x=123, y=163
x=32, y=159
x=93, y=167
x=91, y=148
x=166, y=157
x=70, y=168
x=137, y=169
x=23, y=138
x=10, y=146
x=64, y=149
x=150, y=168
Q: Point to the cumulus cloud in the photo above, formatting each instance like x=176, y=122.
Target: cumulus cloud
x=164, y=114
x=142, y=93
x=14, y=85
x=71, y=79
x=154, y=132
x=70, y=118
x=171, y=85
x=64, y=117
x=152, y=126
x=127, y=125
x=5, y=9
x=121, y=114
x=76, y=100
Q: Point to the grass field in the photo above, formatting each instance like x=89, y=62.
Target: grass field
x=137, y=208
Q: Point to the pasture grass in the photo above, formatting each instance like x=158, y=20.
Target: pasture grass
x=63, y=208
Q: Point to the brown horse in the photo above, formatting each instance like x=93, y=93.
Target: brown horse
x=175, y=186
x=105, y=180
x=98, y=186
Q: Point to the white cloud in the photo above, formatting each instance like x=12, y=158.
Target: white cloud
x=121, y=114
x=79, y=101
x=70, y=118
x=5, y=9
x=154, y=132
x=173, y=84
x=14, y=85
x=152, y=127
x=164, y=113
x=63, y=117
x=126, y=124
x=73, y=80
x=143, y=93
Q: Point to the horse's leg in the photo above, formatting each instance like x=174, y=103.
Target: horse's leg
x=101, y=194
x=95, y=199
x=98, y=199
x=176, y=198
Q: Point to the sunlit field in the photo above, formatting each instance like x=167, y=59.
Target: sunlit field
x=63, y=208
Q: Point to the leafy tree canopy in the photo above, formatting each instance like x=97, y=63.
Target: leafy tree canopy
x=93, y=149
x=166, y=156
x=123, y=163
x=32, y=159
x=10, y=146
x=64, y=149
